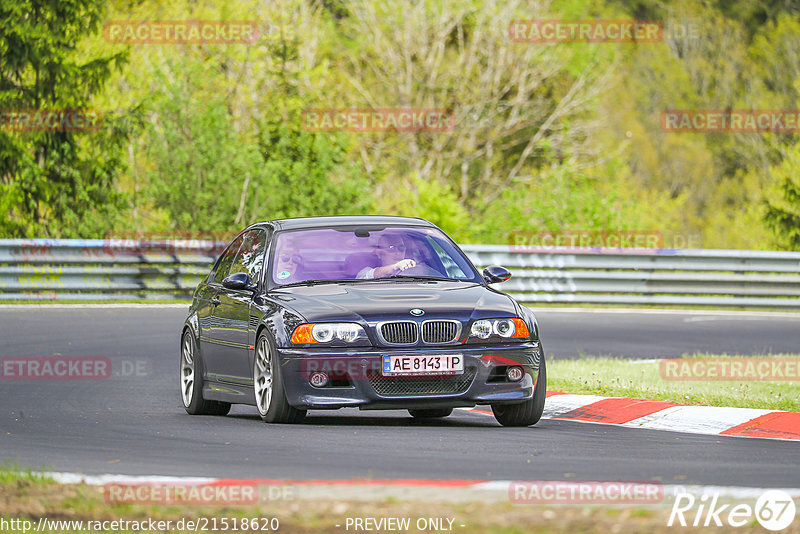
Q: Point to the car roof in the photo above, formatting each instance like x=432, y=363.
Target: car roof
x=344, y=220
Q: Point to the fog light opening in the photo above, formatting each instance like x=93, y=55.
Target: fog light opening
x=515, y=373
x=319, y=379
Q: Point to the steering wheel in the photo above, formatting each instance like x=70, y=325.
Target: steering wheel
x=421, y=269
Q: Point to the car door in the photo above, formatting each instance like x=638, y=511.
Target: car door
x=211, y=330
x=231, y=361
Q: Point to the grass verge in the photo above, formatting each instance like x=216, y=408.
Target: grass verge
x=614, y=377
x=24, y=500
x=12, y=473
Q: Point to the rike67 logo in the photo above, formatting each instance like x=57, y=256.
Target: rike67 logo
x=774, y=510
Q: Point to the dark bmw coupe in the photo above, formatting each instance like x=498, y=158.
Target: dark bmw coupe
x=372, y=312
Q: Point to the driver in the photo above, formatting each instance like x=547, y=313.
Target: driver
x=391, y=252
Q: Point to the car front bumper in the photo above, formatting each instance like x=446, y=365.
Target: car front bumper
x=360, y=383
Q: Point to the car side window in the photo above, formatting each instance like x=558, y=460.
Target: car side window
x=250, y=258
x=226, y=260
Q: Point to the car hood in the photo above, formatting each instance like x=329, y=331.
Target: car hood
x=378, y=301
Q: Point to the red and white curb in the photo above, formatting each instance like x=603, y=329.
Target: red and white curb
x=659, y=415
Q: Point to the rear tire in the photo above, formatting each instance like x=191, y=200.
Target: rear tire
x=192, y=381
x=268, y=387
x=430, y=413
x=525, y=413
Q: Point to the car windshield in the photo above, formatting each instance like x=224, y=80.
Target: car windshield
x=366, y=253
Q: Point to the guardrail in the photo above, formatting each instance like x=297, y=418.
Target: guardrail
x=739, y=278
x=96, y=269
x=103, y=269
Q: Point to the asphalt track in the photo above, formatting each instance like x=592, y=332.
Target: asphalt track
x=133, y=423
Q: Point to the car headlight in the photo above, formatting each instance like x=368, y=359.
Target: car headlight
x=481, y=329
x=322, y=332
x=329, y=333
x=511, y=328
x=504, y=328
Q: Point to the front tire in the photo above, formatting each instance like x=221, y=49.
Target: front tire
x=192, y=381
x=525, y=413
x=430, y=413
x=268, y=386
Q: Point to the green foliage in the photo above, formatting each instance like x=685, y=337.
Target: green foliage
x=200, y=164
x=225, y=145
x=306, y=174
x=429, y=200
x=547, y=137
x=55, y=183
x=783, y=212
x=572, y=197
x=209, y=177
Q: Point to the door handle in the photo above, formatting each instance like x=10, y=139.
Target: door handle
x=215, y=301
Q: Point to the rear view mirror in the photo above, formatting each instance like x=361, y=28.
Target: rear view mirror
x=237, y=281
x=496, y=273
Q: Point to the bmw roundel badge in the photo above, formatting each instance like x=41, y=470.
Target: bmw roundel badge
x=416, y=312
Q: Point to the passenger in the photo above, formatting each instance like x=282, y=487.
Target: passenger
x=287, y=261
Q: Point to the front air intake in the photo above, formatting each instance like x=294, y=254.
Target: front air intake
x=439, y=332
x=399, y=332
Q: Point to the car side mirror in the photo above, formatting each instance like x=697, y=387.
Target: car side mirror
x=496, y=273
x=238, y=281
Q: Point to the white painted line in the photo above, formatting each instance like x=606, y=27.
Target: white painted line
x=697, y=419
x=714, y=318
x=679, y=430
x=100, y=480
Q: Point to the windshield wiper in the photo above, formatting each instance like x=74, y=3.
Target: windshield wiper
x=418, y=277
x=319, y=282
x=393, y=278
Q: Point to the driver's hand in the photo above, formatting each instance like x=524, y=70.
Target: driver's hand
x=402, y=265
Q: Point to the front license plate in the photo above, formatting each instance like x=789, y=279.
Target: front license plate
x=441, y=364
